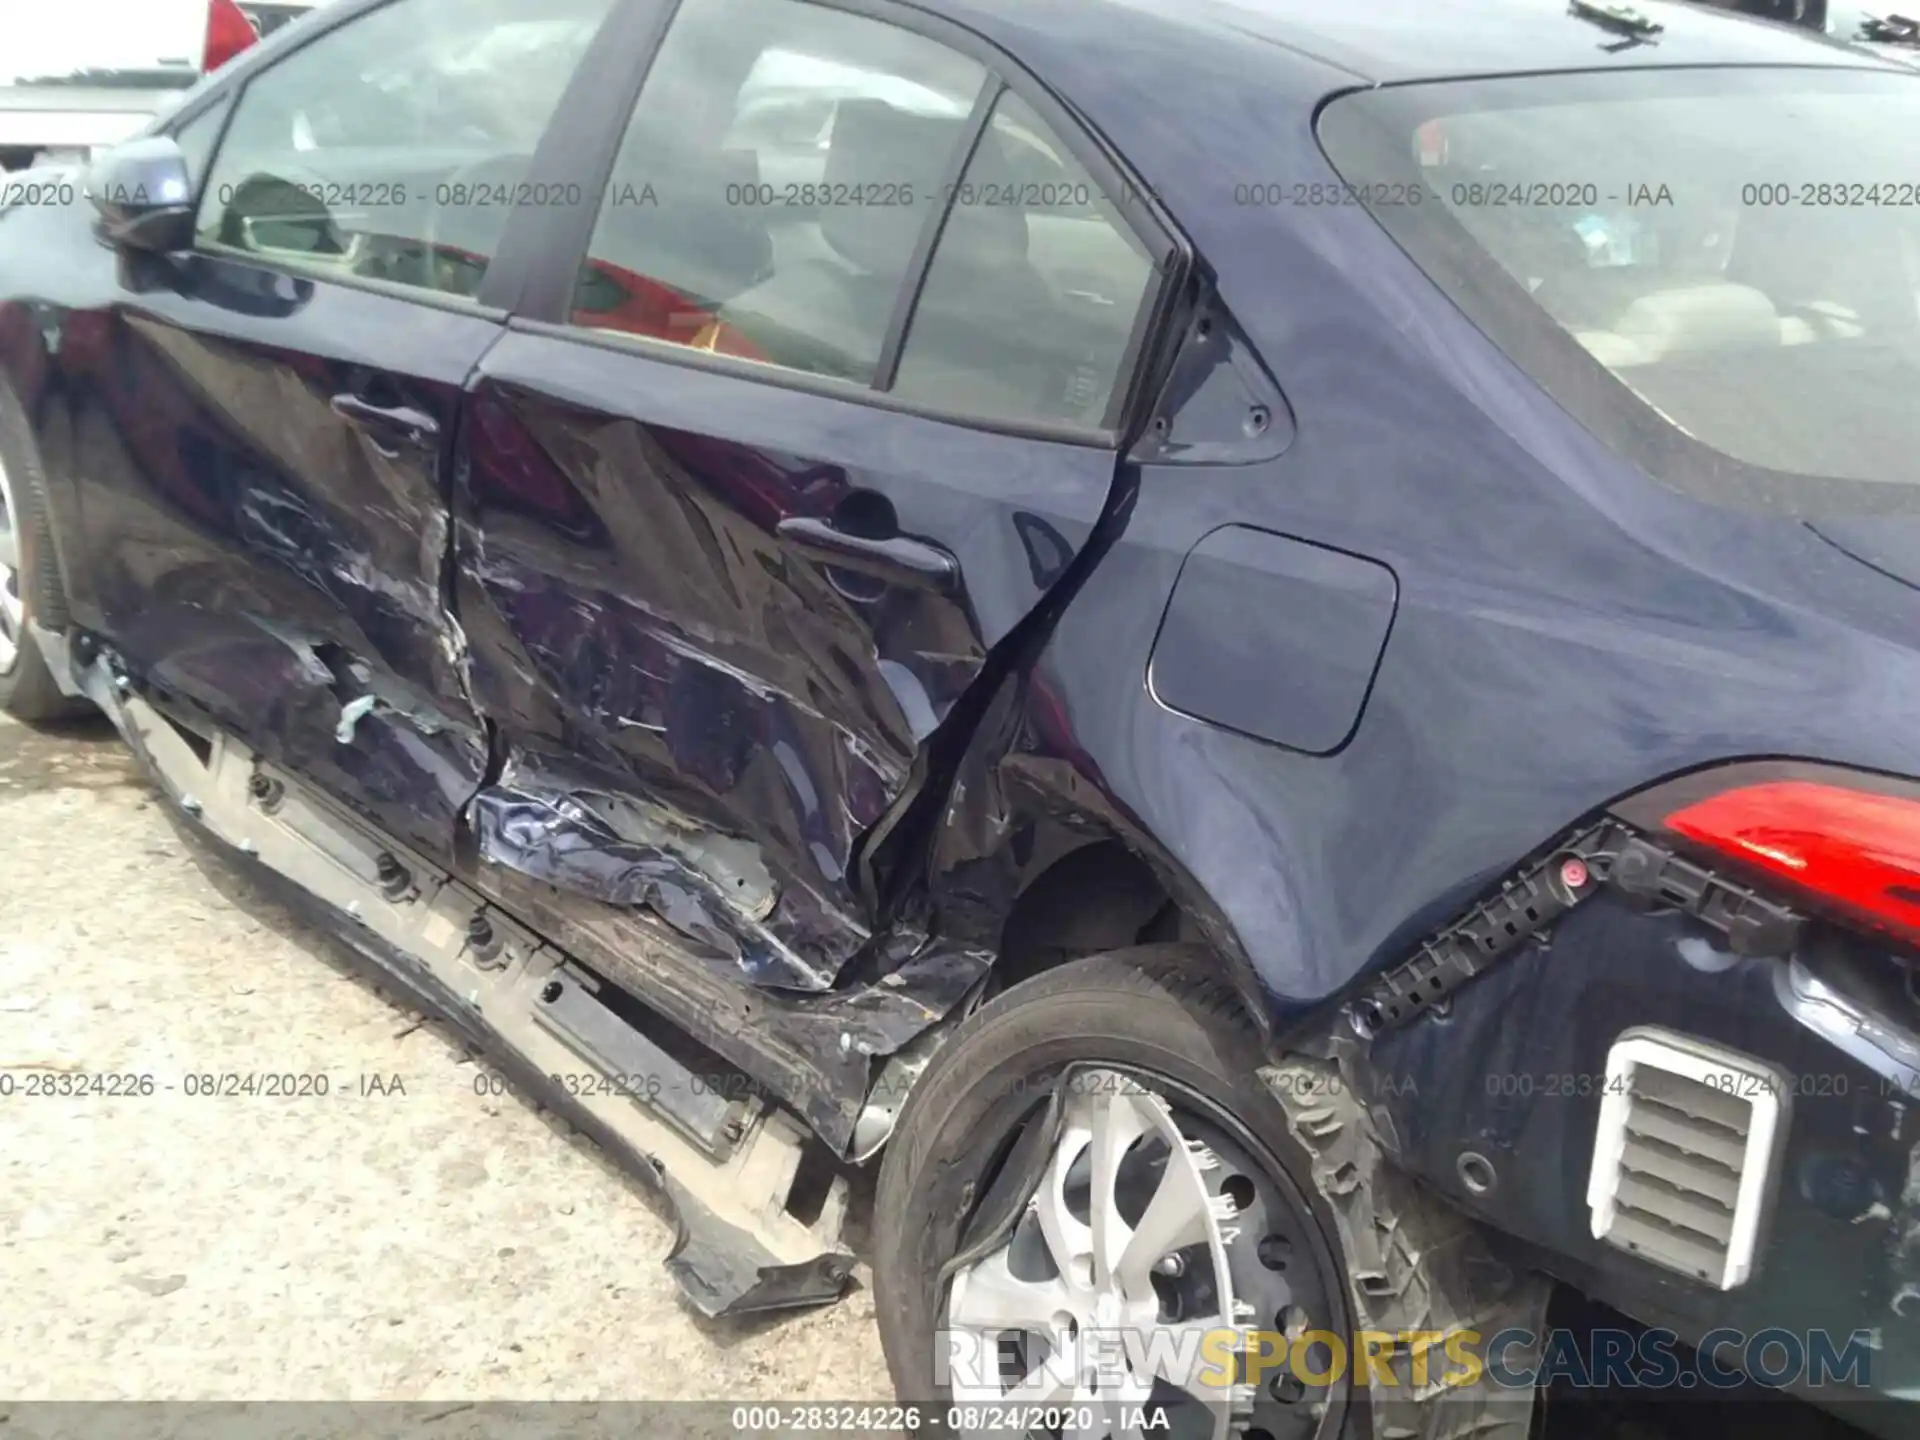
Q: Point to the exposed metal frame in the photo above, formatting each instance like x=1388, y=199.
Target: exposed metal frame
x=461, y=957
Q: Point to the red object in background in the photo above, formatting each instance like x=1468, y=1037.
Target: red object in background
x=1856, y=850
x=228, y=33
x=637, y=305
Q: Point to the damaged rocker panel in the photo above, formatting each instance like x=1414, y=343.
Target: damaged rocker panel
x=714, y=891
x=729, y=973
x=831, y=1056
x=739, y=1249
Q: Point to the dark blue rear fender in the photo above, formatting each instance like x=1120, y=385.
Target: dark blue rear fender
x=1567, y=630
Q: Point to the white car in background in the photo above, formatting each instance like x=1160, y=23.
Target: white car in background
x=89, y=73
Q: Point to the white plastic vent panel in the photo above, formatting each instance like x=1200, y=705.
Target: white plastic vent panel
x=1685, y=1154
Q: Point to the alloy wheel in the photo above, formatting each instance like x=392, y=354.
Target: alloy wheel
x=1155, y=1245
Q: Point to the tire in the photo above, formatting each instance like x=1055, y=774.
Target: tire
x=30, y=587
x=1155, y=1012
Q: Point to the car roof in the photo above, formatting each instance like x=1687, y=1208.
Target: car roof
x=1384, y=41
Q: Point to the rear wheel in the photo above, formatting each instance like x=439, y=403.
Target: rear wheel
x=1098, y=1262
x=29, y=583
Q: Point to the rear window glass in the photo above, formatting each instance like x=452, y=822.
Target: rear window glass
x=1717, y=271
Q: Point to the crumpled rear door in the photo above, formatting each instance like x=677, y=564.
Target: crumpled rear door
x=705, y=698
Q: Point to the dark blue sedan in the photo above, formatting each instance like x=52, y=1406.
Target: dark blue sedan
x=1272, y=649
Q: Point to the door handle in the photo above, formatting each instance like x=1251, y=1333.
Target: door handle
x=898, y=558
x=395, y=422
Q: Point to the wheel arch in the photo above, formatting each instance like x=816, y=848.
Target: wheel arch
x=1063, y=880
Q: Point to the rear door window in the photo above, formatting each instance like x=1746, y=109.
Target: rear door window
x=776, y=175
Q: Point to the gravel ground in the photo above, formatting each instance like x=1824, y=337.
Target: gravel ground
x=401, y=1238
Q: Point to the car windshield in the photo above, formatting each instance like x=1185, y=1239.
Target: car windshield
x=1705, y=266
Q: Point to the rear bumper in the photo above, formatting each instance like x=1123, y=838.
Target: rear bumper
x=1515, y=1073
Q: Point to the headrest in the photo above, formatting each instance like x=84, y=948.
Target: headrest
x=1701, y=317
x=686, y=235
x=874, y=144
x=987, y=236
x=1852, y=258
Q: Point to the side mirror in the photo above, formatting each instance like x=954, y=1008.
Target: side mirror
x=144, y=194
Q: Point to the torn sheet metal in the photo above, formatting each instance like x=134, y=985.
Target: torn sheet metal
x=816, y=1052
x=712, y=890
x=405, y=762
x=632, y=607
x=734, y=867
x=596, y=691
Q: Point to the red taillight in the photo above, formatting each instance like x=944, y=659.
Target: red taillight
x=228, y=33
x=1857, y=851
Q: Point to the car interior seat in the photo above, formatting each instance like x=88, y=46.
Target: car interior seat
x=1666, y=325
x=827, y=311
x=988, y=334
x=680, y=227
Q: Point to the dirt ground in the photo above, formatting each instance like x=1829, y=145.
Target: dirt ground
x=403, y=1237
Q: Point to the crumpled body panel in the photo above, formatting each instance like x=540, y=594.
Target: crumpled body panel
x=404, y=763
x=260, y=556
x=817, y=1051
x=643, y=633
x=716, y=895
x=550, y=630
x=622, y=615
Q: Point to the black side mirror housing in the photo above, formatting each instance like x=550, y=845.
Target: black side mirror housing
x=144, y=194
